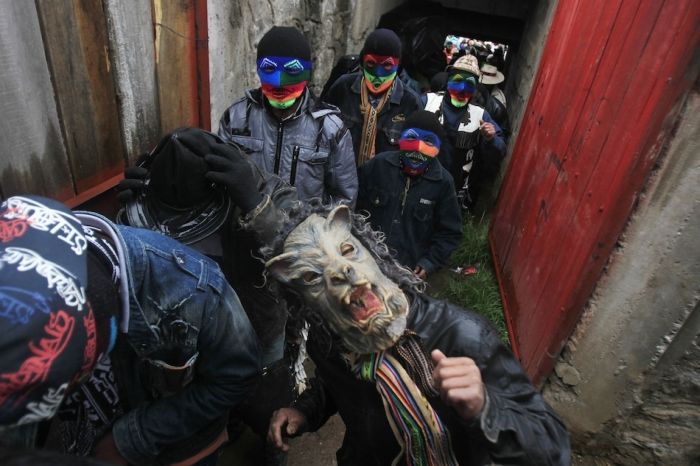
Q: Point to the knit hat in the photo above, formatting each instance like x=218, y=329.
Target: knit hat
x=468, y=63
x=179, y=201
x=383, y=42
x=284, y=41
x=48, y=337
x=425, y=120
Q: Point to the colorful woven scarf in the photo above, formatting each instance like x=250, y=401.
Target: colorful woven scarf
x=369, y=123
x=423, y=438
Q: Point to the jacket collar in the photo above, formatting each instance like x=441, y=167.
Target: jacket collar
x=396, y=95
x=433, y=173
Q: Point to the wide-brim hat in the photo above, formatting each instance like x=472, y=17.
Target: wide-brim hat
x=467, y=63
x=179, y=201
x=491, y=75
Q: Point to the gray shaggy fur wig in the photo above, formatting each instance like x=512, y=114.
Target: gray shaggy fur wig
x=361, y=229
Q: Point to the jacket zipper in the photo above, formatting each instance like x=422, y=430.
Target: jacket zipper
x=293, y=171
x=278, y=148
x=405, y=193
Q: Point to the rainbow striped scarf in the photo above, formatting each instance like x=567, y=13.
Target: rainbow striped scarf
x=423, y=438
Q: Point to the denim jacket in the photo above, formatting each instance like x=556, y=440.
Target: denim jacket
x=180, y=309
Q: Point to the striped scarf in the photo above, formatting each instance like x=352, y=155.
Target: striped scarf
x=369, y=123
x=423, y=438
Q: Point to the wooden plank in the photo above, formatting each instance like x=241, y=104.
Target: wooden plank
x=33, y=158
x=130, y=28
x=176, y=63
x=75, y=39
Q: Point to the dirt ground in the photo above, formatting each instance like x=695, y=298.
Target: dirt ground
x=311, y=449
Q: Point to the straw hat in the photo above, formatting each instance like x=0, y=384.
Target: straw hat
x=491, y=75
x=467, y=63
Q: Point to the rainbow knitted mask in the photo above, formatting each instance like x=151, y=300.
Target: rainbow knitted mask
x=283, y=79
x=461, y=87
x=379, y=72
x=418, y=147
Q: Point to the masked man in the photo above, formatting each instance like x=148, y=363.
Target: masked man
x=285, y=131
x=415, y=380
x=162, y=337
x=411, y=197
x=474, y=145
x=373, y=103
x=176, y=197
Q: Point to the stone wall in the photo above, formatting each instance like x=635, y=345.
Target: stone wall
x=334, y=28
x=628, y=382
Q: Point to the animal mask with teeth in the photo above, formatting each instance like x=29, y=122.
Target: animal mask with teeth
x=338, y=277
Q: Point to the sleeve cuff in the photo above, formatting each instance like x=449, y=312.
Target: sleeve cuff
x=488, y=419
x=128, y=440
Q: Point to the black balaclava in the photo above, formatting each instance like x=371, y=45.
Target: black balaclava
x=284, y=41
x=426, y=120
x=382, y=42
x=177, y=175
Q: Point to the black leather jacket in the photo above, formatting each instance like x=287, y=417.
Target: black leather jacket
x=516, y=427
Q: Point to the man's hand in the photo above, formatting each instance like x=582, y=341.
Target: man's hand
x=106, y=450
x=285, y=422
x=487, y=130
x=459, y=382
x=420, y=272
x=131, y=186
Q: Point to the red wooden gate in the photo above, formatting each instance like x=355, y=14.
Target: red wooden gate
x=610, y=78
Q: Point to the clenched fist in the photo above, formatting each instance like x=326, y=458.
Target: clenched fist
x=285, y=422
x=487, y=130
x=458, y=380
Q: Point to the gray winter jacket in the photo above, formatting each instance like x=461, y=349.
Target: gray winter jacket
x=312, y=150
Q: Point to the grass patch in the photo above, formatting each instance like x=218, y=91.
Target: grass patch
x=478, y=292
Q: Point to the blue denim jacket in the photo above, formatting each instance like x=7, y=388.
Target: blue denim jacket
x=169, y=282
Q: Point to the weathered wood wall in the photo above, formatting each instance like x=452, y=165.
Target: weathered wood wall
x=88, y=85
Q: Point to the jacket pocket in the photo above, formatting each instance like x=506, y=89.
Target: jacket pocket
x=423, y=220
x=310, y=168
x=249, y=144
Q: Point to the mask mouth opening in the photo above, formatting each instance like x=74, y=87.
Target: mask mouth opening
x=362, y=303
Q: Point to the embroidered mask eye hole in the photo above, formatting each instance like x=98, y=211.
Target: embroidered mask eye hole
x=268, y=66
x=388, y=64
x=311, y=277
x=347, y=249
x=370, y=64
x=293, y=67
x=410, y=134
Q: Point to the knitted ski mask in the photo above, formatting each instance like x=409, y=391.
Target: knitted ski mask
x=419, y=142
x=284, y=65
x=380, y=60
